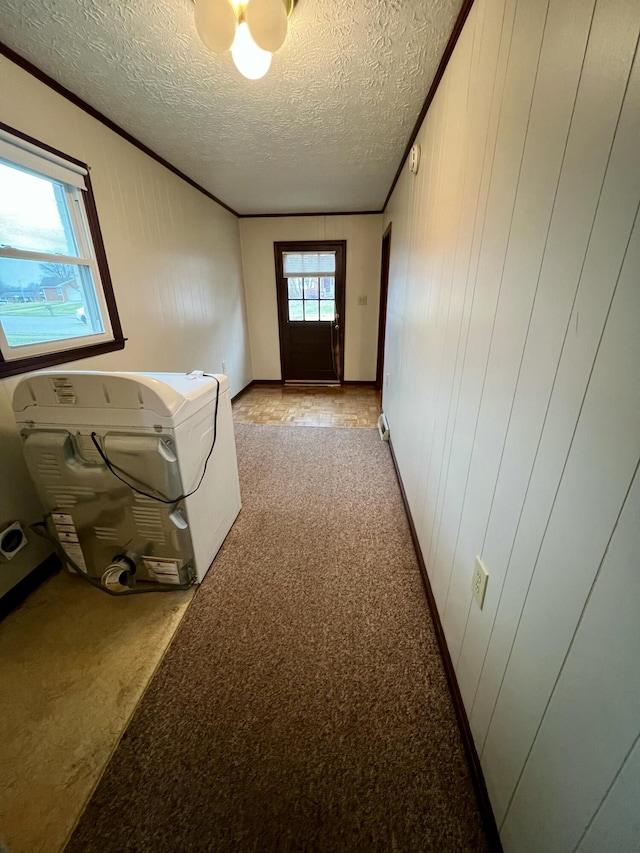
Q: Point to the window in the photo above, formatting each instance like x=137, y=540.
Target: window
x=56, y=299
x=311, y=285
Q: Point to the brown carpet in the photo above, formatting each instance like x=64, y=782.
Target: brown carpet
x=302, y=705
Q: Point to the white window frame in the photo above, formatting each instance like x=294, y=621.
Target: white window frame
x=32, y=157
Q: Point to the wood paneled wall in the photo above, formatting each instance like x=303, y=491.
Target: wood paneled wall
x=513, y=395
x=363, y=235
x=174, y=257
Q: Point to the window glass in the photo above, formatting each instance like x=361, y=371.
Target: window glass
x=311, y=288
x=294, y=286
x=34, y=214
x=311, y=311
x=328, y=288
x=46, y=301
x=56, y=299
x=313, y=295
x=295, y=310
x=327, y=309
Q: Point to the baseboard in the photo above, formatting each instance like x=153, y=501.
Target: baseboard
x=253, y=383
x=477, y=776
x=23, y=589
x=312, y=383
x=242, y=391
x=280, y=382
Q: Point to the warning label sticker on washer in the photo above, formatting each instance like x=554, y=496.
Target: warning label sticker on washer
x=68, y=537
x=163, y=569
x=74, y=552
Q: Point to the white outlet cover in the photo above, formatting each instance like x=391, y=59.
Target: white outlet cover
x=479, y=582
x=414, y=159
x=16, y=540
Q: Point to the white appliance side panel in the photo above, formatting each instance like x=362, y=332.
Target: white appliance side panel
x=214, y=507
x=89, y=398
x=94, y=389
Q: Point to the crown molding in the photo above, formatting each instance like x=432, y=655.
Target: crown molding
x=36, y=72
x=32, y=69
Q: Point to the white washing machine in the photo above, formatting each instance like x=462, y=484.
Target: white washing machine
x=127, y=471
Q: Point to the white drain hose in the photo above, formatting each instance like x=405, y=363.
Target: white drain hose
x=111, y=580
x=111, y=577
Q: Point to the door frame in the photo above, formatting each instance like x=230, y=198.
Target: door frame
x=382, y=314
x=340, y=248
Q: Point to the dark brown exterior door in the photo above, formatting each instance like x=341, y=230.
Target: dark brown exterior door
x=310, y=278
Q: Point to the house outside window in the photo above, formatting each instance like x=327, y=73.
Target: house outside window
x=56, y=298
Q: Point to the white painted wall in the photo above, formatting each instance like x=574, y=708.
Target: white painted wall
x=174, y=257
x=513, y=399
x=364, y=241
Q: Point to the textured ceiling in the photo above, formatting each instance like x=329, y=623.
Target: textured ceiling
x=323, y=131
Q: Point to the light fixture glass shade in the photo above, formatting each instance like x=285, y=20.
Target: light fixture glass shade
x=216, y=24
x=251, y=61
x=267, y=22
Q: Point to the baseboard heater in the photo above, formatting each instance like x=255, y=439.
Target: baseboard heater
x=383, y=427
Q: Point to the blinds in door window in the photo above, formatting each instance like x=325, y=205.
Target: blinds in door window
x=308, y=263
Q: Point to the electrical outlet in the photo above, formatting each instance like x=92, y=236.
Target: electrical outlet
x=12, y=539
x=224, y=367
x=362, y=300
x=479, y=582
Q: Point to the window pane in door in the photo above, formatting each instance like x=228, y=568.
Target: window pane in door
x=327, y=287
x=311, y=288
x=295, y=309
x=327, y=309
x=311, y=311
x=294, y=288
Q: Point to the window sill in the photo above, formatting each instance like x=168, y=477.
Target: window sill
x=50, y=359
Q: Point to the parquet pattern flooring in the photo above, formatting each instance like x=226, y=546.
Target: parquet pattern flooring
x=326, y=406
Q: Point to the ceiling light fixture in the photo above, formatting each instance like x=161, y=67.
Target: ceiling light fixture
x=252, y=29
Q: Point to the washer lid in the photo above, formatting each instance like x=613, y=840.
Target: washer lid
x=168, y=395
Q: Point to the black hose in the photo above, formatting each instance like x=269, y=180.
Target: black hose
x=159, y=496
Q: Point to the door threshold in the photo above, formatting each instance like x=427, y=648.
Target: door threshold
x=335, y=383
